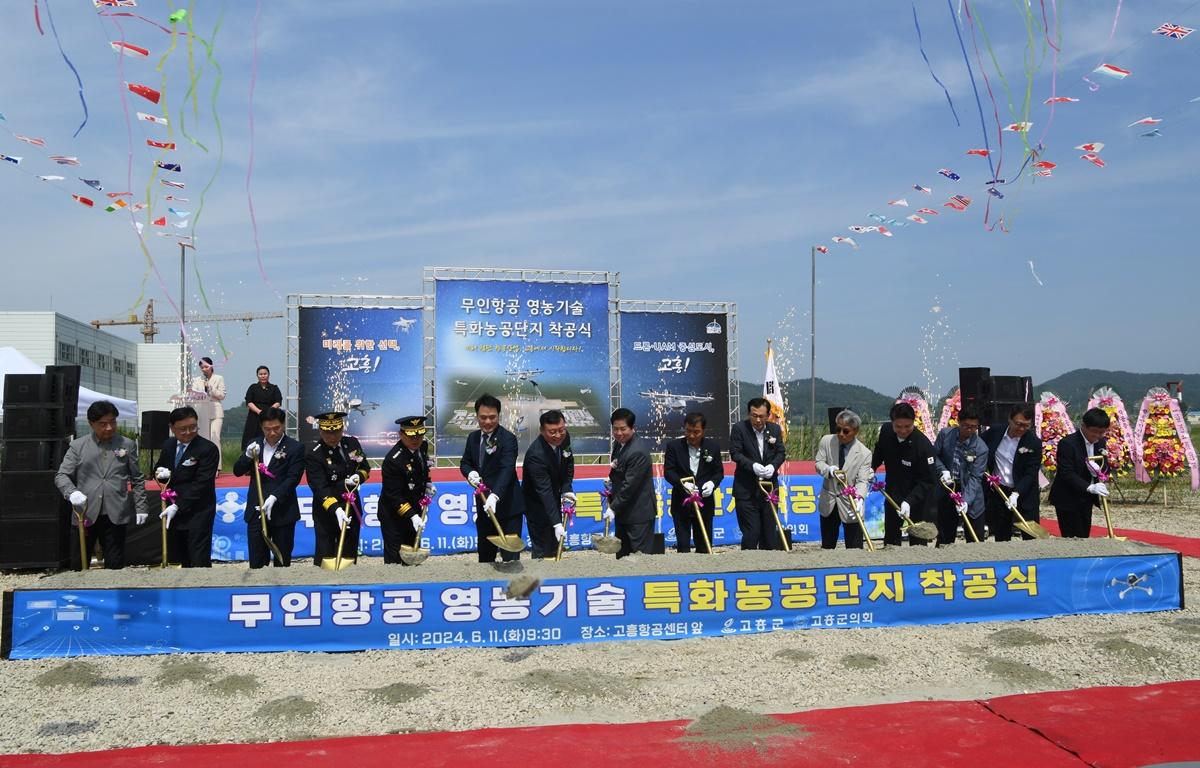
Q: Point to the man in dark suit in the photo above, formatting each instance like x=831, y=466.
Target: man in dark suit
x=189, y=463
x=756, y=449
x=1077, y=489
x=490, y=457
x=405, y=485
x=907, y=457
x=334, y=467
x=699, y=458
x=549, y=472
x=281, y=462
x=633, y=504
x=1015, y=454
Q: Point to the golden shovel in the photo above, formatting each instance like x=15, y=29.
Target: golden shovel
x=768, y=489
x=606, y=545
x=919, y=530
x=162, y=524
x=1103, y=477
x=699, y=516
x=415, y=555
x=853, y=495
x=962, y=513
x=1029, y=527
x=85, y=562
x=262, y=516
x=507, y=541
x=338, y=563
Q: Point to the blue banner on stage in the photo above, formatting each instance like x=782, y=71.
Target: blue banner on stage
x=535, y=345
x=55, y=623
x=451, y=530
x=676, y=363
x=362, y=360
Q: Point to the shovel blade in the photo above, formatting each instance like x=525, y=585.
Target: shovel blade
x=508, y=543
x=606, y=545
x=331, y=563
x=1033, y=529
x=412, y=555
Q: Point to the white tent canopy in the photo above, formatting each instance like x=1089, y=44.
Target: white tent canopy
x=12, y=361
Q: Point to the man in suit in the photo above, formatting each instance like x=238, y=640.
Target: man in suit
x=549, y=472
x=960, y=459
x=633, y=505
x=907, y=458
x=334, y=467
x=281, y=463
x=189, y=463
x=490, y=457
x=96, y=476
x=843, y=455
x=756, y=449
x=1015, y=454
x=699, y=458
x=1077, y=489
x=405, y=486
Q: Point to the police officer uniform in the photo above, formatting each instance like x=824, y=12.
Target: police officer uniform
x=405, y=484
x=326, y=468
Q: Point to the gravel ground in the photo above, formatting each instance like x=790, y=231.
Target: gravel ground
x=102, y=702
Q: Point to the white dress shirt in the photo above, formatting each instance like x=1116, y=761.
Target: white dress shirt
x=1006, y=452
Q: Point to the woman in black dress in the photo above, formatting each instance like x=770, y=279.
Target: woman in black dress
x=260, y=395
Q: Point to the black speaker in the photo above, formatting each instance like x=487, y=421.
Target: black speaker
x=35, y=542
x=68, y=393
x=833, y=412
x=154, y=430
x=37, y=421
x=34, y=455
x=29, y=494
x=1010, y=389
x=996, y=412
x=972, y=383
x=31, y=389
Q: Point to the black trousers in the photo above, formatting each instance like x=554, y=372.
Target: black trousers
x=541, y=534
x=326, y=533
x=949, y=519
x=829, y=532
x=484, y=528
x=893, y=525
x=687, y=528
x=1074, y=522
x=396, y=531
x=1000, y=518
x=284, y=536
x=112, y=542
x=757, y=521
x=191, y=547
x=635, y=537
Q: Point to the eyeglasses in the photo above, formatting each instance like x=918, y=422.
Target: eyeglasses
x=847, y=431
x=556, y=432
x=186, y=430
x=1022, y=424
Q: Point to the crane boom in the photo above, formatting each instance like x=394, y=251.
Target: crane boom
x=150, y=325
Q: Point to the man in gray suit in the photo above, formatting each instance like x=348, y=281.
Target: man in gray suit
x=842, y=453
x=95, y=476
x=632, y=503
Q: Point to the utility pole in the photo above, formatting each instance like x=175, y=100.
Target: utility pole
x=183, y=361
x=812, y=346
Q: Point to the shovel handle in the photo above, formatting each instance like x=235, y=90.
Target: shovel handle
x=84, y=560
x=841, y=478
x=262, y=516
x=766, y=486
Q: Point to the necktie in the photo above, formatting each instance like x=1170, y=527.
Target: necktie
x=179, y=453
x=842, y=456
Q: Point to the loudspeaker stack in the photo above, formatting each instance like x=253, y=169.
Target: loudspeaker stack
x=39, y=421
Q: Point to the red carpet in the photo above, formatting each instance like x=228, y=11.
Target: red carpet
x=1110, y=727
x=1189, y=547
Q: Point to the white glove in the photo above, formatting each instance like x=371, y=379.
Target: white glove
x=473, y=478
x=708, y=488
x=267, y=504
x=609, y=515
x=352, y=481
x=946, y=477
x=831, y=470
x=961, y=508
x=690, y=487
x=431, y=490
x=905, y=510
x=559, y=532
x=567, y=498
x=253, y=451
x=343, y=519
x=418, y=523
x=169, y=514
x=491, y=503
x=140, y=518
x=759, y=470
x=162, y=474
x=1100, y=489
x=78, y=499
x=858, y=507
x=1012, y=501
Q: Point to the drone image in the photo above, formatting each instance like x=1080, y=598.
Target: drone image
x=355, y=404
x=672, y=401
x=1131, y=582
x=525, y=374
x=405, y=323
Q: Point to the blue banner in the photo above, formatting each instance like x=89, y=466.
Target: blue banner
x=450, y=528
x=54, y=623
x=537, y=346
x=365, y=361
x=673, y=363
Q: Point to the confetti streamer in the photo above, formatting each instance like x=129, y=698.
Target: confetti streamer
x=78, y=79
x=921, y=47
x=1035, y=275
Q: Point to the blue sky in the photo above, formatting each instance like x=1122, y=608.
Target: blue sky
x=698, y=148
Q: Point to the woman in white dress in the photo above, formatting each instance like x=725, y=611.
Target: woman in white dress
x=213, y=385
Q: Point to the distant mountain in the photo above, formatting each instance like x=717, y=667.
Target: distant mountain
x=1076, y=386
x=864, y=401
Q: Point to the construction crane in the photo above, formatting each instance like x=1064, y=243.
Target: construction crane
x=150, y=325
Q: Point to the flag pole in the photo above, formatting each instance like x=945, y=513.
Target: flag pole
x=812, y=345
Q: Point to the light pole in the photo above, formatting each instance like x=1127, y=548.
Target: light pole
x=812, y=346
x=183, y=366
